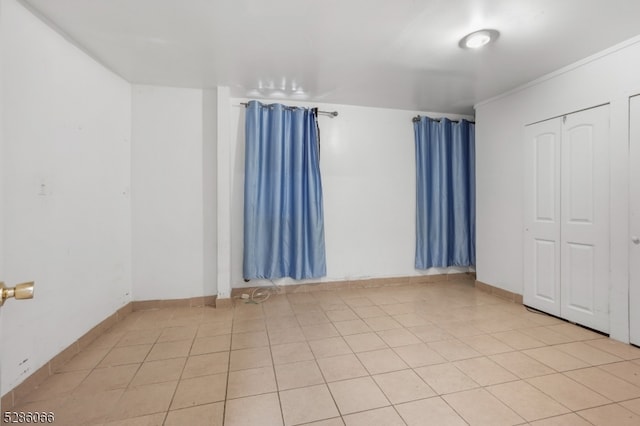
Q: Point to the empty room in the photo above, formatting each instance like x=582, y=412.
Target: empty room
x=338, y=213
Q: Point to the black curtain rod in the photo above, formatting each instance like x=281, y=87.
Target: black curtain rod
x=417, y=118
x=329, y=113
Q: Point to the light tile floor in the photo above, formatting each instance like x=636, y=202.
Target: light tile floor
x=436, y=354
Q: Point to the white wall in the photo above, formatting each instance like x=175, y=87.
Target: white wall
x=65, y=170
x=209, y=184
x=168, y=194
x=368, y=176
x=610, y=77
x=224, y=185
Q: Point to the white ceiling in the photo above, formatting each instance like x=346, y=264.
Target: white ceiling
x=384, y=53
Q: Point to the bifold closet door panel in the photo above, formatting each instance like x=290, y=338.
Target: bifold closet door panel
x=542, y=216
x=634, y=202
x=566, y=217
x=584, y=228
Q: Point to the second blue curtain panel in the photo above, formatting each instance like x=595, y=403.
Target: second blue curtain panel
x=445, y=201
x=283, y=209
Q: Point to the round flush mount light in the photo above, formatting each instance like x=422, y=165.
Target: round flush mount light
x=478, y=39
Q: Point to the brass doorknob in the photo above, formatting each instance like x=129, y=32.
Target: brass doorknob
x=21, y=291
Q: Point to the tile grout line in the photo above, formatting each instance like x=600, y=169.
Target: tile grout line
x=226, y=389
x=175, y=391
x=326, y=384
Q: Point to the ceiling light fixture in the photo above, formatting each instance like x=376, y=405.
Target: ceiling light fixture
x=478, y=39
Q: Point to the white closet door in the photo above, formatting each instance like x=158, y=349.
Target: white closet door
x=542, y=216
x=634, y=200
x=585, y=218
